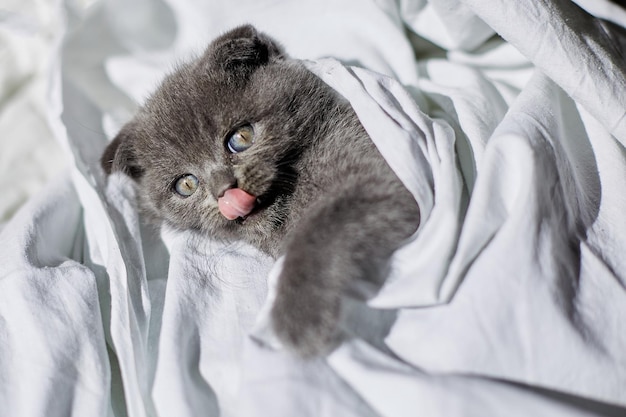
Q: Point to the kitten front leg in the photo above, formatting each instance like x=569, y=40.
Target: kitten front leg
x=348, y=236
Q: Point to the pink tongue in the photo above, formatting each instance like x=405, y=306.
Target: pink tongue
x=236, y=203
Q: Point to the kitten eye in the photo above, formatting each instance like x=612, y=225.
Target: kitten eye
x=186, y=185
x=241, y=140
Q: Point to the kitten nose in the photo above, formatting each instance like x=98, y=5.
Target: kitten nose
x=222, y=181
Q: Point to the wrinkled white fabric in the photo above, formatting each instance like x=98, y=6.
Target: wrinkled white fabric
x=29, y=155
x=510, y=299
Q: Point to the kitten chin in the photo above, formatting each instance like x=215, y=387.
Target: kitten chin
x=245, y=143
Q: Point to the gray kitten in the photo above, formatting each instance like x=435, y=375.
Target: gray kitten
x=246, y=144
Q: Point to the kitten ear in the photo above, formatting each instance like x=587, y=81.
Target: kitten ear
x=119, y=155
x=243, y=48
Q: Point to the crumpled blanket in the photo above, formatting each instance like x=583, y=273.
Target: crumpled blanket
x=504, y=119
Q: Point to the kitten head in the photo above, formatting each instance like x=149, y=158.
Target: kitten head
x=216, y=147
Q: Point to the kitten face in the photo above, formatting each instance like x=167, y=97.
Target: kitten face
x=237, y=118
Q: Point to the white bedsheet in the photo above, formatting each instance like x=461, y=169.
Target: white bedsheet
x=509, y=300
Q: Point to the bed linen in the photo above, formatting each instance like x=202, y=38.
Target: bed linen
x=505, y=120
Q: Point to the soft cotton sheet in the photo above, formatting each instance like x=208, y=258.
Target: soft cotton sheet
x=504, y=119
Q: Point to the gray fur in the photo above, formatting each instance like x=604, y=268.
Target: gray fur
x=328, y=200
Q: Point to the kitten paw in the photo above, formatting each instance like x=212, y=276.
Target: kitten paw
x=306, y=322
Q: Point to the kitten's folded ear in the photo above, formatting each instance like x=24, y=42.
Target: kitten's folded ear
x=120, y=156
x=243, y=48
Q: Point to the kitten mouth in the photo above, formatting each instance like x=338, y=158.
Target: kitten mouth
x=237, y=203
